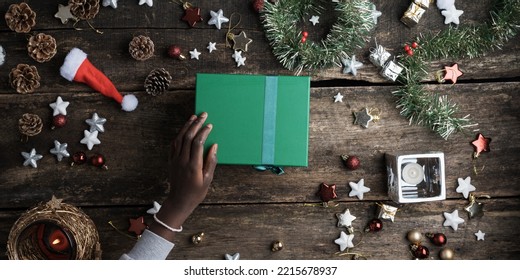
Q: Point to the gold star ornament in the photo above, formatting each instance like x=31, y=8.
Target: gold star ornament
x=54, y=203
x=64, y=14
x=240, y=41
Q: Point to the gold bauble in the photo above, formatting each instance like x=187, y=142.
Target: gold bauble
x=446, y=254
x=414, y=236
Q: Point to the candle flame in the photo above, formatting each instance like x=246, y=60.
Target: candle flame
x=56, y=241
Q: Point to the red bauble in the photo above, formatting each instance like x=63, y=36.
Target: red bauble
x=406, y=48
x=98, y=161
x=258, y=5
x=305, y=34
x=438, y=239
x=419, y=251
x=374, y=225
x=351, y=162
x=59, y=121
x=415, y=45
x=409, y=52
x=176, y=52
x=79, y=158
x=304, y=39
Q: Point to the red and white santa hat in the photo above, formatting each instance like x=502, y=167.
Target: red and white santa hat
x=78, y=68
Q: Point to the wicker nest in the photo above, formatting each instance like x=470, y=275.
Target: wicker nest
x=67, y=217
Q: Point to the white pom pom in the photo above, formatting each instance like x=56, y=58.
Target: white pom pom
x=129, y=103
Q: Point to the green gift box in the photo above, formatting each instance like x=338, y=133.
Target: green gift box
x=257, y=120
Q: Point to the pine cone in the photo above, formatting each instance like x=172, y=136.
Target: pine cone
x=157, y=81
x=24, y=78
x=84, y=9
x=42, y=47
x=141, y=47
x=20, y=17
x=30, y=124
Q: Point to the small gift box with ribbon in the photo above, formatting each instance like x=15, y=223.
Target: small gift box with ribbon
x=257, y=120
x=391, y=70
x=416, y=177
x=412, y=15
x=378, y=56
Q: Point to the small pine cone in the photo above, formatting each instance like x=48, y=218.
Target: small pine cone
x=20, y=18
x=24, y=78
x=30, y=124
x=157, y=81
x=84, y=9
x=141, y=47
x=42, y=47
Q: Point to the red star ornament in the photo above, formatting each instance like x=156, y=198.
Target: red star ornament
x=327, y=192
x=137, y=226
x=192, y=16
x=481, y=144
x=452, y=72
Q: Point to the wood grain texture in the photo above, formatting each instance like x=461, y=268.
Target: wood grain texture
x=246, y=210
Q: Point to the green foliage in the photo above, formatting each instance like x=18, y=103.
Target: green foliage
x=430, y=109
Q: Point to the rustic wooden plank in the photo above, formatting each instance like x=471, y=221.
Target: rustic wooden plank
x=309, y=232
x=136, y=145
x=111, y=56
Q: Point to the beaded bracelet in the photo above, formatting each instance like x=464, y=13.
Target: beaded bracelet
x=165, y=225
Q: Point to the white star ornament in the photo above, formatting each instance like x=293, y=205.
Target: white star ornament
x=148, y=2
x=194, y=54
x=338, y=98
x=451, y=15
x=59, y=150
x=351, y=65
x=59, y=107
x=465, y=186
x=90, y=139
x=345, y=241
x=315, y=20
x=111, y=3
x=217, y=18
x=345, y=219
x=211, y=47
x=453, y=220
x=31, y=158
x=358, y=189
x=96, y=123
x=480, y=235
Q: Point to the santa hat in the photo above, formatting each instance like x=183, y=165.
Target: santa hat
x=78, y=68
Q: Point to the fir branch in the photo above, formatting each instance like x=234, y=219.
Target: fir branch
x=432, y=110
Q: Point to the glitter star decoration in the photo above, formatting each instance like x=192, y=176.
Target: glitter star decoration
x=240, y=41
x=111, y=3
x=155, y=209
x=59, y=150
x=358, y=189
x=148, y=2
x=351, y=65
x=480, y=235
x=96, y=123
x=234, y=257
x=363, y=118
x=194, y=54
x=59, y=107
x=452, y=220
x=451, y=15
x=465, y=186
x=217, y=18
x=31, y=158
x=345, y=241
x=192, y=16
x=326, y=192
x=90, y=139
x=481, y=144
x=452, y=73
x=345, y=219
x=137, y=226
x=315, y=20
x=211, y=47
x=54, y=203
x=338, y=97
x=64, y=14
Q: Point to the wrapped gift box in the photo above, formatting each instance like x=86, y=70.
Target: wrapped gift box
x=415, y=177
x=257, y=120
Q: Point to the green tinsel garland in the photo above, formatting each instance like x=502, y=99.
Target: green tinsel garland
x=351, y=31
x=435, y=111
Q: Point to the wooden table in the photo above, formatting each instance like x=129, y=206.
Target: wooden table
x=246, y=210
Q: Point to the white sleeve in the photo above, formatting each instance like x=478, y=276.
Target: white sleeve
x=149, y=247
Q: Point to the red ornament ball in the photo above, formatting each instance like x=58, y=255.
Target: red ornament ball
x=406, y=48
x=258, y=5
x=98, y=161
x=438, y=239
x=59, y=121
x=305, y=34
x=351, y=162
x=79, y=158
x=304, y=39
x=175, y=51
x=374, y=225
x=415, y=45
x=420, y=252
x=409, y=52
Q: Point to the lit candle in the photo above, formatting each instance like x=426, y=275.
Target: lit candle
x=54, y=242
x=413, y=173
x=58, y=241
